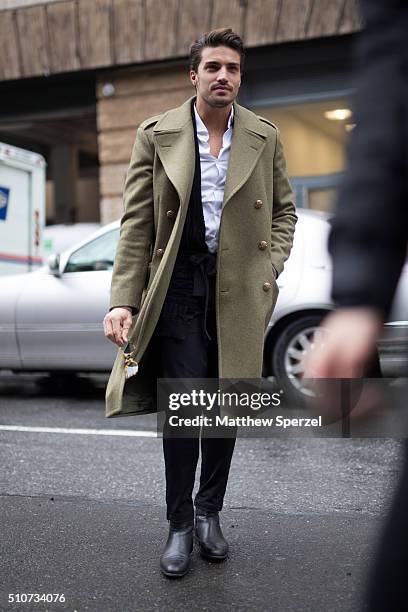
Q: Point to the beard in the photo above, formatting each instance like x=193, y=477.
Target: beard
x=220, y=102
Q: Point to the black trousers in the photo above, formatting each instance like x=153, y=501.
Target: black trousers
x=388, y=591
x=186, y=351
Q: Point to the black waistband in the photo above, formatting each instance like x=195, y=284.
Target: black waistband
x=193, y=271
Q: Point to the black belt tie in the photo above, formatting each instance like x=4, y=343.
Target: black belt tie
x=205, y=265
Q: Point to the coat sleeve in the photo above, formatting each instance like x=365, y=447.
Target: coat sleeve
x=284, y=212
x=369, y=233
x=136, y=228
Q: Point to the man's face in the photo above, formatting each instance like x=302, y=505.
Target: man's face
x=218, y=76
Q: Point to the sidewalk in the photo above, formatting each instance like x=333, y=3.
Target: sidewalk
x=104, y=556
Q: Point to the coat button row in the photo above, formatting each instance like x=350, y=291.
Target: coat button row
x=160, y=252
x=258, y=204
x=262, y=245
x=266, y=286
x=171, y=214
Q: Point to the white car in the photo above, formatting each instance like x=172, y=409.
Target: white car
x=51, y=319
x=58, y=238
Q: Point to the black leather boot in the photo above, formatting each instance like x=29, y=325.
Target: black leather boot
x=176, y=558
x=208, y=532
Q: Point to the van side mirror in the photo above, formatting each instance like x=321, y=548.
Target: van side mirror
x=53, y=262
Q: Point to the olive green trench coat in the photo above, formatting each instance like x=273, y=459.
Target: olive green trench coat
x=255, y=238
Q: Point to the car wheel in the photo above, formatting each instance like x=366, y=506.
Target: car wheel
x=62, y=383
x=289, y=350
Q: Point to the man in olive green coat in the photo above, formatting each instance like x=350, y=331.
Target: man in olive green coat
x=253, y=234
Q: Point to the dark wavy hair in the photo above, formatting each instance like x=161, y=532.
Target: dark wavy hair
x=224, y=37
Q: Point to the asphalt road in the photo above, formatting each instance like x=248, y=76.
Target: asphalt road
x=82, y=513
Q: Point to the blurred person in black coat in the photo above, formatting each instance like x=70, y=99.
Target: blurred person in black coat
x=368, y=243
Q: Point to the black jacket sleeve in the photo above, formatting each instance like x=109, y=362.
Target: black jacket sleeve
x=369, y=233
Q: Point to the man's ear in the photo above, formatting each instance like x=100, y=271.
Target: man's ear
x=193, y=77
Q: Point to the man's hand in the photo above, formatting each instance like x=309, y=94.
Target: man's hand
x=347, y=344
x=116, y=324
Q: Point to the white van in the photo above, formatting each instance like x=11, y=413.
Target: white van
x=22, y=209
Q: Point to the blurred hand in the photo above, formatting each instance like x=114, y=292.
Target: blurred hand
x=347, y=344
x=117, y=323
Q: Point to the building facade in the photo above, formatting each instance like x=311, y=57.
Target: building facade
x=78, y=76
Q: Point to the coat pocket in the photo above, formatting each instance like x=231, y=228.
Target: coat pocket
x=274, y=294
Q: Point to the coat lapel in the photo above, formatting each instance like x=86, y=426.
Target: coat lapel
x=248, y=142
x=174, y=138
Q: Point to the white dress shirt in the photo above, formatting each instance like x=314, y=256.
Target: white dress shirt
x=213, y=175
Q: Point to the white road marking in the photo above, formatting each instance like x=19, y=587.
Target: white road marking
x=88, y=432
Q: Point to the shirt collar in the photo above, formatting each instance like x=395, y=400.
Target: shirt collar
x=201, y=128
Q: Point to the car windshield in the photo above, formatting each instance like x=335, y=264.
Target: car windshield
x=99, y=254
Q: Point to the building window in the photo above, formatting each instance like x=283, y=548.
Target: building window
x=315, y=136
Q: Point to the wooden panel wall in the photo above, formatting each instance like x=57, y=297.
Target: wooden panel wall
x=293, y=20
x=62, y=33
x=10, y=62
x=136, y=97
x=351, y=18
x=94, y=33
x=325, y=18
x=261, y=22
x=128, y=31
x=194, y=20
x=160, y=29
x=228, y=14
x=33, y=37
x=67, y=35
x=11, y=4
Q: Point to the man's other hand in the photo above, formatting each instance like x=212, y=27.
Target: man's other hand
x=346, y=345
x=116, y=324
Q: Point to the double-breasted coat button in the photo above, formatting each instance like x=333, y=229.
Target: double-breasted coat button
x=160, y=252
x=171, y=214
x=258, y=204
x=266, y=286
x=262, y=245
